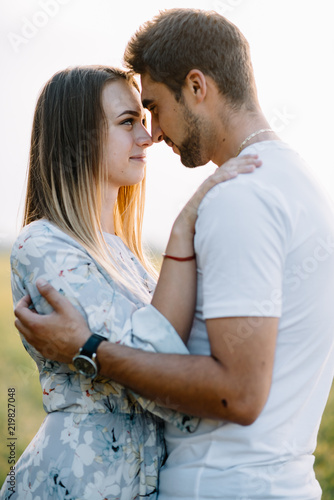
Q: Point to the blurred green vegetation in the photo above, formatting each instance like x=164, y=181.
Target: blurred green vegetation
x=17, y=370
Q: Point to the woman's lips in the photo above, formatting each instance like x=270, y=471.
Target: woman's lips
x=141, y=158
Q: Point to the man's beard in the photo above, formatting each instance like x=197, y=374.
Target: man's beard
x=190, y=149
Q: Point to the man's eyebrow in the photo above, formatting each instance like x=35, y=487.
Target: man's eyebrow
x=129, y=112
x=147, y=102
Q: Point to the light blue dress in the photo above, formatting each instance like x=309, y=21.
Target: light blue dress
x=98, y=440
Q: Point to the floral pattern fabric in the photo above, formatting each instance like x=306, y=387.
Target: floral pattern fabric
x=98, y=440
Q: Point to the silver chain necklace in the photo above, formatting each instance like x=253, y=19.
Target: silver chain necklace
x=251, y=137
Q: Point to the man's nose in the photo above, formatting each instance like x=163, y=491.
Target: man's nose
x=156, y=132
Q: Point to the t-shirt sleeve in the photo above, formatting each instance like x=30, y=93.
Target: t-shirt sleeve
x=241, y=240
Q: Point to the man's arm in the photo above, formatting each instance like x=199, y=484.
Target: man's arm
x=232, y=384
x=227, y=385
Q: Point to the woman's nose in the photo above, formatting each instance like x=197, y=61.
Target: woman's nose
x=145, y=140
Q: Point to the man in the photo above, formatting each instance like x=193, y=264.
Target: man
x=261, y=363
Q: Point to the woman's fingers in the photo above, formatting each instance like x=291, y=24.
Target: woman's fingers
x=247, y=163
x=230, y=169
x=235, y=166
x=241, y=162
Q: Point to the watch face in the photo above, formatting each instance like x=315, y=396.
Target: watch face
x=85, y=366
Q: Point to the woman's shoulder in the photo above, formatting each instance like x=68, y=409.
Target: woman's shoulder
x=39, y=233
x=37, y=228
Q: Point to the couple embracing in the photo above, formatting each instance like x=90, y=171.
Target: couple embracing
x=211, y=383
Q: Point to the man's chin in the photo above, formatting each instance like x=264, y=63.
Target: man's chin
x=192, y=162
x=188, y=161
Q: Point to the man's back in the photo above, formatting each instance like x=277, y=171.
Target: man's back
x=265, y=245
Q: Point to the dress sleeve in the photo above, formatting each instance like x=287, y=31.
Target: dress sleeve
x=43, y=251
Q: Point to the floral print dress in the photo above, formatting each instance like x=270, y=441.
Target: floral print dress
x=98, y=440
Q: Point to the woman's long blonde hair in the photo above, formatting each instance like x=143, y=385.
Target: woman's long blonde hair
x=66, y=173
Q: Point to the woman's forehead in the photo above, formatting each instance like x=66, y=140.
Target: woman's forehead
x=119, y=96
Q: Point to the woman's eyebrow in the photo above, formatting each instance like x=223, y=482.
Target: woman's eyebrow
x=129, y=112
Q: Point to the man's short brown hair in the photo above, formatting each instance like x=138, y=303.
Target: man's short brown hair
x=179, y=40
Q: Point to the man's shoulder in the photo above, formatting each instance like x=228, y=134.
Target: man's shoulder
x=245, y=191
x=248, y=208
x=282, y=181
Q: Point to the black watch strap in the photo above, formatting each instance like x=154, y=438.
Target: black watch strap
x=90, y=347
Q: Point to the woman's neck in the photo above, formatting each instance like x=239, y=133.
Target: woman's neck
x=107, y=212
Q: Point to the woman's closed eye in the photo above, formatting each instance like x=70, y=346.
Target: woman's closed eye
x=153, y=109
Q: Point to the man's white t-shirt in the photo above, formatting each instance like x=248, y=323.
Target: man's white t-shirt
x=265, y=247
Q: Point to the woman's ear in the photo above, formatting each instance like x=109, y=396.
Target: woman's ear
x=196, y=85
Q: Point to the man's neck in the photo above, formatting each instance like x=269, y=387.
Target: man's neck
x=242, y=129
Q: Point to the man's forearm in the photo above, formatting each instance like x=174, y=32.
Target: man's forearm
x=189, y=384
x=228, y=385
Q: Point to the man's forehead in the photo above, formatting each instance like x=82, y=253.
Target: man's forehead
x=152, y=91
x=147, y=87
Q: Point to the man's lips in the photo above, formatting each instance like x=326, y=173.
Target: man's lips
x=172, y=145
x=168, y=142
x=176, y=149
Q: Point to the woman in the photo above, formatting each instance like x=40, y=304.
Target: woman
x=83, y=217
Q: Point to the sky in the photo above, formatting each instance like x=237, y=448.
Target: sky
x=292, y=46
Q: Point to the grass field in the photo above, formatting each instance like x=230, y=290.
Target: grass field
x=18, y=371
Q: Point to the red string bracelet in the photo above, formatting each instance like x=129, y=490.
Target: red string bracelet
x=179, y=259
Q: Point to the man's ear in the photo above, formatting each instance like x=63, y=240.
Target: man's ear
x=196, y=85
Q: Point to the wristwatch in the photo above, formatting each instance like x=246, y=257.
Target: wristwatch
x=85, y=361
